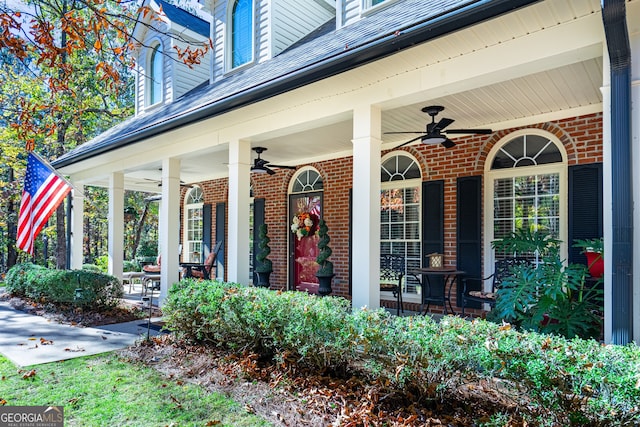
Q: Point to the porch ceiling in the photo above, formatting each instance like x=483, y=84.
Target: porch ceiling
x=515, y=98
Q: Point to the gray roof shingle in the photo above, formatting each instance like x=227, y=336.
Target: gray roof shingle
x=323, y=53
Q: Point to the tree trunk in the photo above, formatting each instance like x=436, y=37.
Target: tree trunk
x=139, y=227
x=12, y=255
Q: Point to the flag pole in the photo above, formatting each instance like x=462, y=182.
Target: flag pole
x=58, y=174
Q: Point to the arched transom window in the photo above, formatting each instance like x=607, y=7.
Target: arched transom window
x=306, y=181
x=527, y=179
x=193, y=225
x=400, y=207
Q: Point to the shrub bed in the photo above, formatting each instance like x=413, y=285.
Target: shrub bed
x=549, y=380
x=59, y=286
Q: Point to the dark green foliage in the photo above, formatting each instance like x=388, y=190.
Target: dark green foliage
x=590, y=245
x=91, y=267
x=547, y=295
x=59, y=286
x=264, y=264
x=550, y=380
x=270, y=323
x=131, y=265
x=326, y=266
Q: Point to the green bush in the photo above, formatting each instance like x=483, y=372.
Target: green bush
x=552, y=380
x=91, y=267
x=59, y=286
x=131, y=265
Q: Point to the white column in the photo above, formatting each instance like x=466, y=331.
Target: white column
x=116, y=223
x=77, y=226
x=238, y=221
x=366, y=193
x=169, y=224
x=635, y=142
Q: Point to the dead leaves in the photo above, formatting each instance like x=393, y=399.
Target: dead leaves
x=27, y=374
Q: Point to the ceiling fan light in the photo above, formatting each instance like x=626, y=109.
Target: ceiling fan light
x=434, y=139
x=257, y=169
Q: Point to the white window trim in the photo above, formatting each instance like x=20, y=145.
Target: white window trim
x=490, y=175
x=368, y=7
x=407, y=183
x=185, y=223
x=155, y=43
x=229, y=40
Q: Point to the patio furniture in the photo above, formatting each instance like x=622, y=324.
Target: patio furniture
x=150, y=282
x=392, y=270
x=449, y=276
x=131, y=277
x=202, y=270
x=473, y=287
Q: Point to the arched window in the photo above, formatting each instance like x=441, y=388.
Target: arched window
x=193, y=225
x=155, y=75
x=526, y=182
x=400, y=212
x=306, y=181
x=241, y=32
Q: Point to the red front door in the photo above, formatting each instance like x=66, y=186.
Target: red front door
x=305, y=210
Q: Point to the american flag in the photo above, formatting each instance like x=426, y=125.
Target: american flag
x=43, y=191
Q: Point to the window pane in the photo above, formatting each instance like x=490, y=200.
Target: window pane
x=526, y=150
x=155, y=76
x=241, y=32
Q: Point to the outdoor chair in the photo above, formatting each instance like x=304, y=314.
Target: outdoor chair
x=473, y=287
x=203, y=271
x=392, y=270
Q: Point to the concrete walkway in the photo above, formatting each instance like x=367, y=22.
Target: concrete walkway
x=27, y=340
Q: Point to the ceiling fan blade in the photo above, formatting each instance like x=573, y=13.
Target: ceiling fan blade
x=282, y=167
x=270, y=171
x=399, y=133
x=410, y=141
x=473, y=131
x=443, y=123
x=447, y=143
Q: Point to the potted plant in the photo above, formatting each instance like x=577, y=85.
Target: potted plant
x=325, y=272
x=263, y=267
x=593, y=249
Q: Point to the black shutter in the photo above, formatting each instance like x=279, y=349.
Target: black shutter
x=432, y=229
x=585, y=206
x=258, y=220
x=469, y=230
x=206, y=231
x=221, y=214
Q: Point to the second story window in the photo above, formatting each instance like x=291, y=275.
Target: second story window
x=241, y=33
x=155, y=75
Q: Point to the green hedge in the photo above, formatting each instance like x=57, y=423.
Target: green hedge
x=59, y=286
x=553, y=380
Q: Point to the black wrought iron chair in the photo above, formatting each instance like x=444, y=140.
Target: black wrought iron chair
x=473, y=287
x=392, y=270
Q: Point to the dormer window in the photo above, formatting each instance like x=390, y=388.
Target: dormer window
x=241, y=33
x=155, y=75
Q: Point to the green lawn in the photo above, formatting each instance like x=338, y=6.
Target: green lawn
x=106, y=391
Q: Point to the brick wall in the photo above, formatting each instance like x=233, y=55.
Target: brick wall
x=581, y=137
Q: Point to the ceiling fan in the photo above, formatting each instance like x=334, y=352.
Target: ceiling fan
x=435, y=133
x=260, y=165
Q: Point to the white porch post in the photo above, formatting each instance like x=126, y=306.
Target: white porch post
x=116, y=223
x=366, y=193
x=238, y=235
x=169, y=223
x=77, y=229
